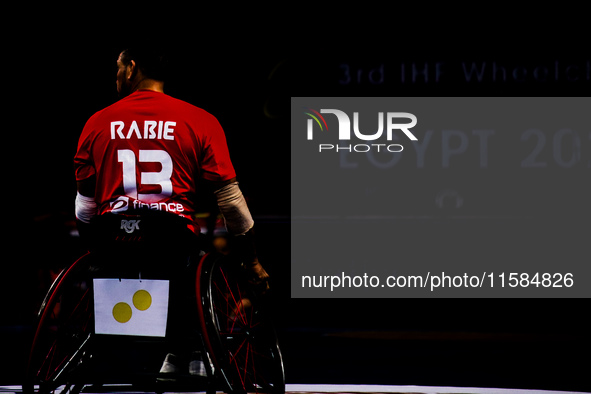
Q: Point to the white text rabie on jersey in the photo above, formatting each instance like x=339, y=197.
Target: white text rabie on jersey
x=153, y=130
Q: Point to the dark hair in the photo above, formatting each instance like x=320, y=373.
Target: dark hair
x=150, y=60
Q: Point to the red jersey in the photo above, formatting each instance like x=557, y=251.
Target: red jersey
x=147, y=150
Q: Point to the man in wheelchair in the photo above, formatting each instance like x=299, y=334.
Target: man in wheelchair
x=137, y=167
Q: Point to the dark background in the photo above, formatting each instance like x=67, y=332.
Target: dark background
x=59, y=76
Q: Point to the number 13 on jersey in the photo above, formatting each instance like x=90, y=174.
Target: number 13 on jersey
x=162, y=178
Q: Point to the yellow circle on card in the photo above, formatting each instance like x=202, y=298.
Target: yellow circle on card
x=142, y=300
x=122, y=312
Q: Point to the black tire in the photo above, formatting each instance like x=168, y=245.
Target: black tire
x=237, y=331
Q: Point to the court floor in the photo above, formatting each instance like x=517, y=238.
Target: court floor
x=347, y=389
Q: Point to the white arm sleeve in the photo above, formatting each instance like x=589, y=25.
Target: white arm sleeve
x=233, y=207
x=86, y=208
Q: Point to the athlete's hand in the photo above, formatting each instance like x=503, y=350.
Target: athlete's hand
x=257, y=276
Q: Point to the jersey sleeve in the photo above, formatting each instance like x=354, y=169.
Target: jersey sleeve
x=215, y=163
x=83, y=164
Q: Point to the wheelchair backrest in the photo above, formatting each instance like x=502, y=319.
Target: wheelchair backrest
x=142, y=238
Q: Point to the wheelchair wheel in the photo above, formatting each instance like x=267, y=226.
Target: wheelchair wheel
x=237, y=332
x=63, y=331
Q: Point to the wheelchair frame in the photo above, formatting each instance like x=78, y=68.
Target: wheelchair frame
x=235, y=333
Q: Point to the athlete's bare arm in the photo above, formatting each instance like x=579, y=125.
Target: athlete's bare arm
x=86, y=191
x=245, y=243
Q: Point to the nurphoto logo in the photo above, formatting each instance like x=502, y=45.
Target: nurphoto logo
x=344, y=130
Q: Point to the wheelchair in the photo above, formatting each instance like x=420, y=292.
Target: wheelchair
x=228, y=321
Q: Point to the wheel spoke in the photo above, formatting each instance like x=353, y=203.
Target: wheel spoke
x=246, y=361
x=248, y=354
x=233, y=356
x=232, y=294
x=48, y=358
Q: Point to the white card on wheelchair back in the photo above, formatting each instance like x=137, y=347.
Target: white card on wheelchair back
x=130, y=307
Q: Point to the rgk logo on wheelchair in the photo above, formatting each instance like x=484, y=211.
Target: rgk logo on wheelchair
x=234, y=332
x=130, y=225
